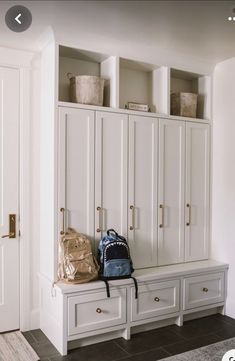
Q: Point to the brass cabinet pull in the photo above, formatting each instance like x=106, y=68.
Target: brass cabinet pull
x=189, y=214
x=98, y=310
x=99, y=209
x=62, y=210
x=205, y=289
x=12, y=227
x=161, y=225
x=156, y=299
x=132, y=208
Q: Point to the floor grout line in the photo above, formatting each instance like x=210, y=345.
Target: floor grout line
x=117, y=344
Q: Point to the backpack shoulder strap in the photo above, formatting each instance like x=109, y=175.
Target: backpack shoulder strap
x=136, y=286
x=107, y=288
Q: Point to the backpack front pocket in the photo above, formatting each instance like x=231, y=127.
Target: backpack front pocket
x=117, y=268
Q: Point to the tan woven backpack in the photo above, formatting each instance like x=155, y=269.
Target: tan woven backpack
x=76, y=261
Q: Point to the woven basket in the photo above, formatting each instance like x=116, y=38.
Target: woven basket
x=184, y=104
x=86, y=89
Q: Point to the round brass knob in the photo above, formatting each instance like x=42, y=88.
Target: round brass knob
x=131, y=228
x=98, y=230
x=156, y=299
x=205, y=289
x=98, y=310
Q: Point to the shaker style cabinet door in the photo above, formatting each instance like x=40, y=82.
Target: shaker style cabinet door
x=142, y=192
x=111, y=173
x=171, y=188
x=197, y=191
x=76, y=170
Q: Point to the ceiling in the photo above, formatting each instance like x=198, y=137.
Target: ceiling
x=181, y=31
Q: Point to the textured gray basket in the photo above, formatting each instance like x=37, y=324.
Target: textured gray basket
x=184, y=104
x=86, y=89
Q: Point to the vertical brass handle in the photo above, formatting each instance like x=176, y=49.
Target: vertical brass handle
x=161, y=225
x=62, y=210
x=189, y=214
x=12, y=227
x=99, y=209
x=132, y=208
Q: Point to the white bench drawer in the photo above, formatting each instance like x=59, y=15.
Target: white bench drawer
x=203, y=290
x=155, y=299
x=96, y=311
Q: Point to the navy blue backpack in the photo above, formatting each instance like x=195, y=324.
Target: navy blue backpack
x=114, y=259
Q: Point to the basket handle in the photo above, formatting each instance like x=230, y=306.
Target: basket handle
x=70, y=75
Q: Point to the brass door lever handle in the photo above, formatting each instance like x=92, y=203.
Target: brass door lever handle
x=12, y=227
x=10, y=235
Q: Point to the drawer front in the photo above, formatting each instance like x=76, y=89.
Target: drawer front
x=155, y=299
x=203, y=290
x=96, y=311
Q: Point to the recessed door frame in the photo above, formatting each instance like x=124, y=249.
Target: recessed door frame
x=21, y=60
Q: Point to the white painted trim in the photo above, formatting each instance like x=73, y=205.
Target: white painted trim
x=130, y=112
x=24, y=199
x=22, y=60
x=15, y=58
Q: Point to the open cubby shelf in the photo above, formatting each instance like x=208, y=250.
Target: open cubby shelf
x=129, y=80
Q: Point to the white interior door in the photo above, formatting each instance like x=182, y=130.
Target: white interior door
x=171, y=191
x=111, y=173
x=9, y=198
x=142, y=204
x=76, y=170
x=197, y=191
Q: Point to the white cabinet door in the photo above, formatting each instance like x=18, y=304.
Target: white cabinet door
x=142, y=204
x=9, y=198
x=111, y=173
x=76, y=169
x=197, y=191
x=171, y=191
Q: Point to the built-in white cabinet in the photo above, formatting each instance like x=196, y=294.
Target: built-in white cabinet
x=142, y=190
x=76, y=170
x=197, y=195
x=92, y=171
x=183, y=191
x=147, y=178
x=145, y=174
x=83, y=314
x=111, y=157
x=171, y=189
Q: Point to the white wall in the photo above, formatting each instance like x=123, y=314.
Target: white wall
x=223, y=202
x=34, y=191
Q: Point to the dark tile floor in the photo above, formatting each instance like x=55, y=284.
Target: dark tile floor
x=146, y=346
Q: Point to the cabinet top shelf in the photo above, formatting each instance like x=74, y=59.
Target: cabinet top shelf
x=131, y=112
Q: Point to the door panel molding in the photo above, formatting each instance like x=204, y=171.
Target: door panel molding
x=171, y=191
x=142, y=191
x=197, y=193
x=111, y=172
